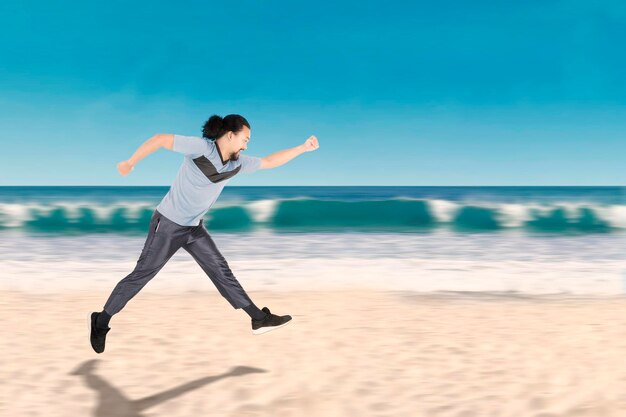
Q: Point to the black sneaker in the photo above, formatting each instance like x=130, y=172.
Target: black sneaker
x=97, y=336
x=270, y=322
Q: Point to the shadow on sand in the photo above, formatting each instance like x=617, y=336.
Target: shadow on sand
x=113, y=403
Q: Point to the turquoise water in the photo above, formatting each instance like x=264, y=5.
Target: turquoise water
x=524, y=239
x=127, y=210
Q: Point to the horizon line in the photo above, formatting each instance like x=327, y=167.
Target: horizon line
x=346, y=185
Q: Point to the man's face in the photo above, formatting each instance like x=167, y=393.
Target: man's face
x=240, y=142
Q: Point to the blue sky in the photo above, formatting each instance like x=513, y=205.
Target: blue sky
x=398, y=93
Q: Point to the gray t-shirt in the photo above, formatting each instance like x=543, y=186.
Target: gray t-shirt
x=200, y=179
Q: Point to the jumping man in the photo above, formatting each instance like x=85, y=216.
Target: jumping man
x=177, y=221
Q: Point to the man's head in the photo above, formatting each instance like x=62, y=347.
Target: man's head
x=232, y=133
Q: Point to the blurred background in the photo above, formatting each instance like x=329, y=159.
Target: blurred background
x=470, y=170
x=453, y=132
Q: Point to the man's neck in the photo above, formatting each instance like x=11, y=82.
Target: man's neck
x=222, y=146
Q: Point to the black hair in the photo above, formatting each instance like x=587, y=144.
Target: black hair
x=216, y=126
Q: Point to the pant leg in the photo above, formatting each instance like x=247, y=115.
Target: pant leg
x=164, y=239
x=202, y=248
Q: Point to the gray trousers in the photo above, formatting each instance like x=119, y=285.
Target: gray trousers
x=165, y=238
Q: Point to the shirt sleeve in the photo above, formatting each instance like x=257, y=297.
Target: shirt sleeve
x=249, y=163
x=190, y=145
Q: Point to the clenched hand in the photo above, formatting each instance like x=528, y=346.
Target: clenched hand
x=311, y=144
x=124, y=167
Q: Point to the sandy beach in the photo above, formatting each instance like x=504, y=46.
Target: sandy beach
x=346, y=353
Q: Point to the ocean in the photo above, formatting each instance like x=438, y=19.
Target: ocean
x=540, y=240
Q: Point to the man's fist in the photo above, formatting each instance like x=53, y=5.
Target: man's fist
x=124, y=167
x=311, y=144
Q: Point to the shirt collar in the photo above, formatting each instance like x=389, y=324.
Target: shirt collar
x=220, y=153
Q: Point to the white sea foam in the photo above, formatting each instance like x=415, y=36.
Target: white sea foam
x=262, y=210
x=418, y=274
x=443, y=210
x=591, y=265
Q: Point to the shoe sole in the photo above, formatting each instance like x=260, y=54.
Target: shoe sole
x=89, y=329
x=269, y=328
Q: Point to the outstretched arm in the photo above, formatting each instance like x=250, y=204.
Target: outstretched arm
x=155, y=142
x=284, y=156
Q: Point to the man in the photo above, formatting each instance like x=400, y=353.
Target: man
x=177, y=221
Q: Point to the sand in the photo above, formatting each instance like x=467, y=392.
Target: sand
x=346, y=353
